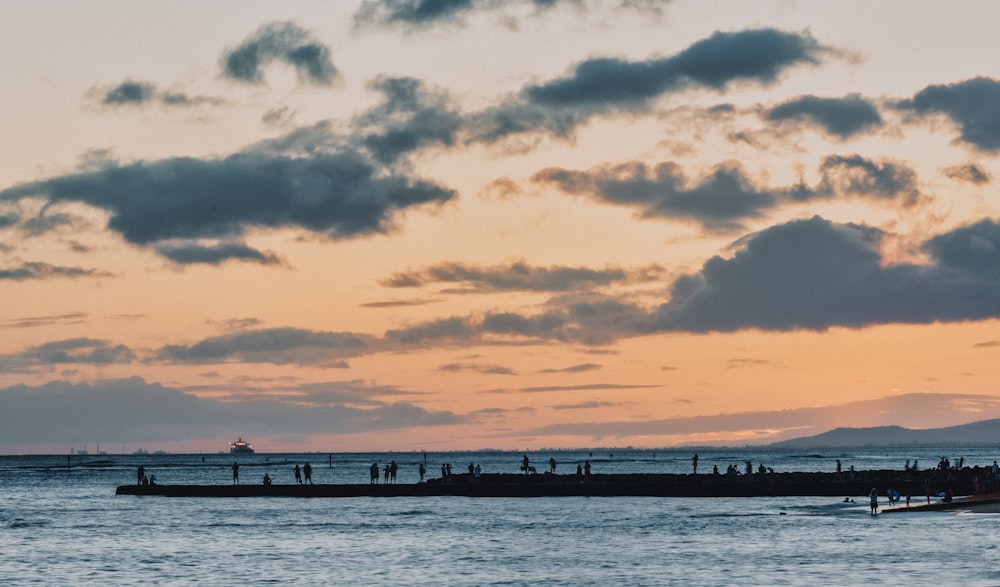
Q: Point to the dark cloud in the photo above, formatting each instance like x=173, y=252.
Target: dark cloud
x=588, y=319
x=52, y=320
x=841, y=117
x=277, y=346
x=859, y=176
x=970, y=172
x=410, y=117
x=803, y=275
x=73, y=351
x=974, y=250
x=973, y=104
x=215, y=254
x=279, y=41
x=140, y=93
x=604, y=85
x=129, y=92
x=581, y=368
x=587, y=387
x=399, y=303
x=813, y=274
x=38, y=270
x=480, y=368
x=726, y=198
x=337, y=194
x=132, y=410
x=416, y=14
x=520, y=276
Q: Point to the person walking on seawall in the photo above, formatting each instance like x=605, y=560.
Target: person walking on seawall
x=524, y=464
x=873, y=500
x=236, y=473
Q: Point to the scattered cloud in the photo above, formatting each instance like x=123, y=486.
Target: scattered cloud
x=581, y=368
x=727, y=197
x=840, y=117
x=276, y=346
x=190, y=253
x=134, y=93
x=400, y=303
x=69, y=318
x=520, y=276
x=480, y=368
x=37, y=270
x=585, y=387
x=73, y=351
x=973, y=105
x=969, y=172
x=279, y=41
x=423, y=14
x=604, y=85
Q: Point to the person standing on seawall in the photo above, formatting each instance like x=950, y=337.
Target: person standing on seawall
x=236, y=473
x=694, y=463
x=873, y=500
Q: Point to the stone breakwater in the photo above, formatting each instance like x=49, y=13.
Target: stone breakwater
x=653, y=485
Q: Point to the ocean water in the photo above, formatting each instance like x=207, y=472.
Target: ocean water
x=63, y=525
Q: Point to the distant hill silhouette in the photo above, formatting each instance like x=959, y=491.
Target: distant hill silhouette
x=984, y=433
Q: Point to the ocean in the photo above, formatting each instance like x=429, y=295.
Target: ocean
x=62, y=524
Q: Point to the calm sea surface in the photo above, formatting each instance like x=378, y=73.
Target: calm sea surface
x=63, y=525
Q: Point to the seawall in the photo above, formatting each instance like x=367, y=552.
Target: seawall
x=549, y=485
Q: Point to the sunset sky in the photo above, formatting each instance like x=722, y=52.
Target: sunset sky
x=462, y=224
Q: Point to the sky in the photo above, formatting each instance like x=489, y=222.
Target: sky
x=379, y=225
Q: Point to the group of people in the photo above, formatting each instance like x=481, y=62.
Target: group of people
x=305, y=470
x=390, y=473
x=142, y=479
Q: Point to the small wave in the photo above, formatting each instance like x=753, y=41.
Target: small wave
x=19, y=523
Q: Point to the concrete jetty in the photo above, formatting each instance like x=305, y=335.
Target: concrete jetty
x=551, y=485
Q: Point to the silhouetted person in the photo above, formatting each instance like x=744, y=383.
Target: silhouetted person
x=423, y=471
x=472, y=470
x=298, y=475
x=392, y=471
x=140, y=474
x=586, y=471
x=579, y=471
x=145, y=481
x=552, y=465
x=236, y=473
x=308, y=471
x=524, y=464
x=873, y=500
x=694, y=463
x=374, y=473
x=267, y=479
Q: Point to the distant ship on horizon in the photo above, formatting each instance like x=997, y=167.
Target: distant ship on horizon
x=241, y=447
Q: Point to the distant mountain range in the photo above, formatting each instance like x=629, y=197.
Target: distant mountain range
x=984, y=433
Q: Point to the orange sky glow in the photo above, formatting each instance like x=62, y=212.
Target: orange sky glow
x=373, y=225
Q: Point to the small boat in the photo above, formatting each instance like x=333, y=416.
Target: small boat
x=241, y=447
